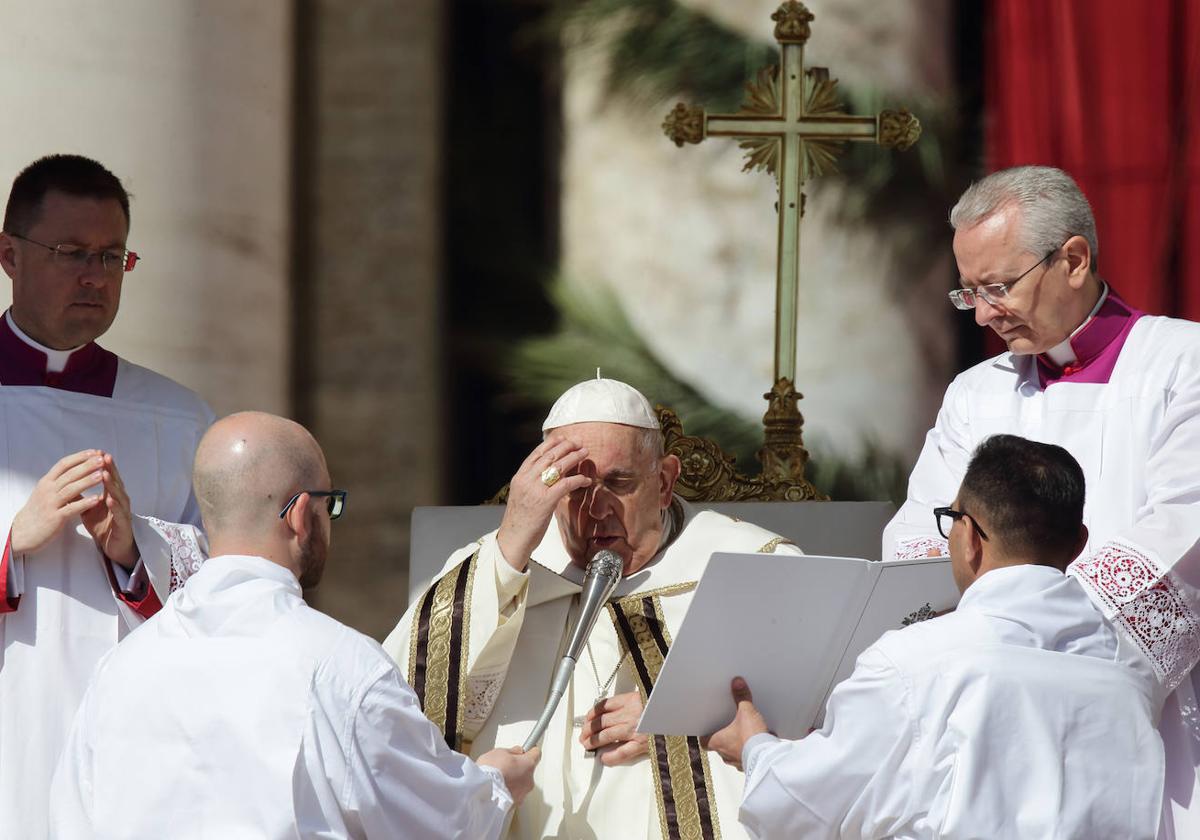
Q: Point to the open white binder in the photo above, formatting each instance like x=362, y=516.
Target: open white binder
x=793, y=626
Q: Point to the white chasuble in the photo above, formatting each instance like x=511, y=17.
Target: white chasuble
x=64, y=603
x=258, y=717
x=480, y=648
x=1008, y=719
x=1137, y=437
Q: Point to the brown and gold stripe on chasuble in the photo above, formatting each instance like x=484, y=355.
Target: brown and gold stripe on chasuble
x=687, y=808
x=438, y=649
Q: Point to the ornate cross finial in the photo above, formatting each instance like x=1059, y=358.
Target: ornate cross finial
x=684, y=124
x=792, y=21
x=898, y=129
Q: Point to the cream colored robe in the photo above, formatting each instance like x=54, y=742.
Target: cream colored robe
x=516, y=623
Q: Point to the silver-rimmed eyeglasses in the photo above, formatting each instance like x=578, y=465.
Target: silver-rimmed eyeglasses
x=113, y=262
x=993, y=293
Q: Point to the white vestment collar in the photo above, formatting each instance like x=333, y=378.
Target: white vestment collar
x=1040, y=606
x=228, y=570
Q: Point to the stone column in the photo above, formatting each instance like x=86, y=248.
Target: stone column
x=368, y=261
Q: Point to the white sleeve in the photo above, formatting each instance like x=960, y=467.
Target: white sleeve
x=1146, y=579
x=405, y=782
x=846, y=780
x=934, y=481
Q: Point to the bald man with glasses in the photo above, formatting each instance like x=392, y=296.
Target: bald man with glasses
x=258, y=715
x=1116, y=387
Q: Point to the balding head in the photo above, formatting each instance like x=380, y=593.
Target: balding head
x=247, y=467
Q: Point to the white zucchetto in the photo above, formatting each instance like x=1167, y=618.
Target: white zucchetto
x=601, y=401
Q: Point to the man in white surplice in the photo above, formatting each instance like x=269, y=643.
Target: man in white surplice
x=1011, y=717
x=95, y=456
x=257, y=716
x=1120, y=390
x=496, y=616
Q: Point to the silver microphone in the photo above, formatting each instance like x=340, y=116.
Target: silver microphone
x=601, y=578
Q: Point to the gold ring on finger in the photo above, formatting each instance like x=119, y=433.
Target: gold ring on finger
x=551, y=475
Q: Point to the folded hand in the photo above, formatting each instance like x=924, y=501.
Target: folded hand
x=111, y=524
x=609, y=729
x=57, y=499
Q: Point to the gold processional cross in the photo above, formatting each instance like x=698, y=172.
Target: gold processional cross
x=792, y=126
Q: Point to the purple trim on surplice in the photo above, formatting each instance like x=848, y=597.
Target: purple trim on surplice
x=90, y=370
x=1096, y=347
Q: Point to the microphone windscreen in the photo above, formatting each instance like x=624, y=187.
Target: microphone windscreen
x=606, y=563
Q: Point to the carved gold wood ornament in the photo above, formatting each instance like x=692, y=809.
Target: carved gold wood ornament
x=791, y=125
x=709, y=475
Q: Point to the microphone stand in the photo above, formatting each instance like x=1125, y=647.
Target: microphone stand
x=601, y=578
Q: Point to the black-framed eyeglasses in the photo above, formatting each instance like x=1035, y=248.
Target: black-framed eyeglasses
x=113, y=262
x=995, y=293
x=942, y=514
x=335, y=501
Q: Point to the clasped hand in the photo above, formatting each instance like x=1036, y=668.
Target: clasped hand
x=58, y=498
x=609, y=729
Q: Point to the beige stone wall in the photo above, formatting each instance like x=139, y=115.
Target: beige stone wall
x=189, y=103
x=369, y=264
x=688, y=241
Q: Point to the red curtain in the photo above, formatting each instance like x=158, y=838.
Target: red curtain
x=1108, y=90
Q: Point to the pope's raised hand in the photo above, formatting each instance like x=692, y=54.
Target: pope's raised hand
x=609, y=729
x=111, y=524
x=56, y=499
x=533, y=494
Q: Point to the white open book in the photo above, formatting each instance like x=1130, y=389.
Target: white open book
x=792, y=627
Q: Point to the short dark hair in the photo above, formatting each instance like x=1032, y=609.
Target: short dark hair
x=1031, y=495
x=71, y=174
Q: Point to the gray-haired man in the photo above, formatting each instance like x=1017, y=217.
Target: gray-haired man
x=1120, y=390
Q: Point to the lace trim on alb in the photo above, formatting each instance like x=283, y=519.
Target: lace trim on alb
x=915, y=547
x=1135, y=593
x=483, y=689
x=186, y=557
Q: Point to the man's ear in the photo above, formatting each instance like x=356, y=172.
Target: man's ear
x=1079, y=261
x=8, y=255
x=1083, y=538
x=668, y=473
x=298, y=518
x=974, y=556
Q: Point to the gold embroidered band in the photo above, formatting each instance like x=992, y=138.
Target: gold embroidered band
x=437, y=657
x=687, y=809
